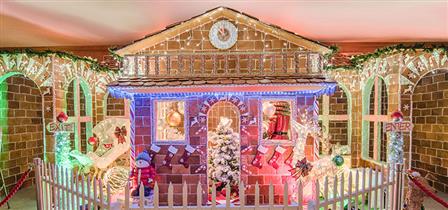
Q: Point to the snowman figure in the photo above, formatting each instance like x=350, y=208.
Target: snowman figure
x=143, y=173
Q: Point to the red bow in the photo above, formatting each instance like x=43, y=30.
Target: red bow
x=120, y=133
x=302, y=169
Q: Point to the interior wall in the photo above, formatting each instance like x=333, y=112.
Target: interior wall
x=430, y=133
x=23, y=138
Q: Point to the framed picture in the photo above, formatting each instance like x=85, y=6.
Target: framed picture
x=170, y=121
x=276, y=118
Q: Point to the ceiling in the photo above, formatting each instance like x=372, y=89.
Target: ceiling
x=36, y=23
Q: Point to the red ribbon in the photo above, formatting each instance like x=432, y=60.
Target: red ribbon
x=16, y=188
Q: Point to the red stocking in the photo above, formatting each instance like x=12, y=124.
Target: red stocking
x=288, y=160
x=153, y=151
x=187, y=154
x=257, y=160
x=169, y=156
x=277, y=153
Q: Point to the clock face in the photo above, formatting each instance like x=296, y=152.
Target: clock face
x=223, y=34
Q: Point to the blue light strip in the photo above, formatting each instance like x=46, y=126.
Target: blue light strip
x=125, y=92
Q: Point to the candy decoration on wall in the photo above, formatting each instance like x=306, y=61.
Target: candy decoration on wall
x=120, y=134
x=302, y=169
x=200, y=169
x=186, y=155
x=62, y=117
x=288, y=160
x=247, y=150
x=246, y=170
x=261, y=151
x=277, y=154
x=92, y=140
x=169, y=156
x=153, y=150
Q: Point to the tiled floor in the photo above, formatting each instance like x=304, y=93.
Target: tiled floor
x=25, y=199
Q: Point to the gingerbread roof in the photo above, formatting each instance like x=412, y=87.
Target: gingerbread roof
x=219, y=12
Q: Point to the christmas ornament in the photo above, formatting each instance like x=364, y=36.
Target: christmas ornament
x=277, y=154
x=62, y=117
x=397, y=116
x=268, y=109
x=257, y=160
x=338, y=160
x=92, y=140
x=120, y=134
x=302, y=169
x=174, y=118
x=171, y=152
x=186, y=155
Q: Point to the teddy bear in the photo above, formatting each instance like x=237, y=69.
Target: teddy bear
x=143, y=172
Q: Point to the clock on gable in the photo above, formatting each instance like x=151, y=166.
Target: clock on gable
x=223, y=34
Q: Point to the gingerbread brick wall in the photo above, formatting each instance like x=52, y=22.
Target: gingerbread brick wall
x=338, y=106
x=198, y=138
x=115, y=106
x=430, y=133
x=23, y=137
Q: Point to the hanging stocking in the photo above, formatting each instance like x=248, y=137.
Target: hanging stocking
x=187, y=154
x=257, y=160
x=171, y=152
x=153, y=152
x=288, y=160
x=277, y=153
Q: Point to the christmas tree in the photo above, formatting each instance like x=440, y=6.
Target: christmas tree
x=224, y=154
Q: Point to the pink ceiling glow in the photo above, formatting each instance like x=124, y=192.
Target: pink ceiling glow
x=100, y=22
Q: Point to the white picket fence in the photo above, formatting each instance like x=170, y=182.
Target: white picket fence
x=365, y=189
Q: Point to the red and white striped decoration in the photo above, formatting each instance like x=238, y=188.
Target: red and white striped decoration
x=132, y=132
x=316, y=118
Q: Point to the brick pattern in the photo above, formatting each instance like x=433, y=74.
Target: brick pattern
x=248, y=40
x=23, y=139
x=430, y=133
x=115, y=106
x=179, y=173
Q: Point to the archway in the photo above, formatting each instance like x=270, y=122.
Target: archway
x=78, y=101
x=21, y=125
x=374, y=114
x=430, y=132
x=223, y=123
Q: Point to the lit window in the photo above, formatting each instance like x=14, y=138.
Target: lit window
x=276, y=120
x=170, y=120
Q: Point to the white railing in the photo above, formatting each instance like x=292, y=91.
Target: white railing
x=206, y=64
x=363, y=189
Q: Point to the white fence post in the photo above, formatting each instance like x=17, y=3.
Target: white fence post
x=59, y=188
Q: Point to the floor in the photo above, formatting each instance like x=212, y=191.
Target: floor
x=25, y=199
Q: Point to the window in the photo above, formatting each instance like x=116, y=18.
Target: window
x=375, y=109
x=170, y=120
x=79, y=109
x=276, y=120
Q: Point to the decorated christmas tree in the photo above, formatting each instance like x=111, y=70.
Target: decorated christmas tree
x=224, y=153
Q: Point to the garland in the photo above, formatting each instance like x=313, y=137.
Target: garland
x=94, y=65
x=357, y=62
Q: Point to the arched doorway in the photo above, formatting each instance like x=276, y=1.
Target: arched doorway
x=21, y=126
x=223, y=123
x=430, y=132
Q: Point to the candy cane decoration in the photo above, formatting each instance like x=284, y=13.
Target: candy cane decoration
x=200, y=168
x=132, y=132
x=316, y=118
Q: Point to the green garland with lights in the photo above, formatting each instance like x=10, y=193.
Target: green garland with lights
x=356, y=62
x=94, y=65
